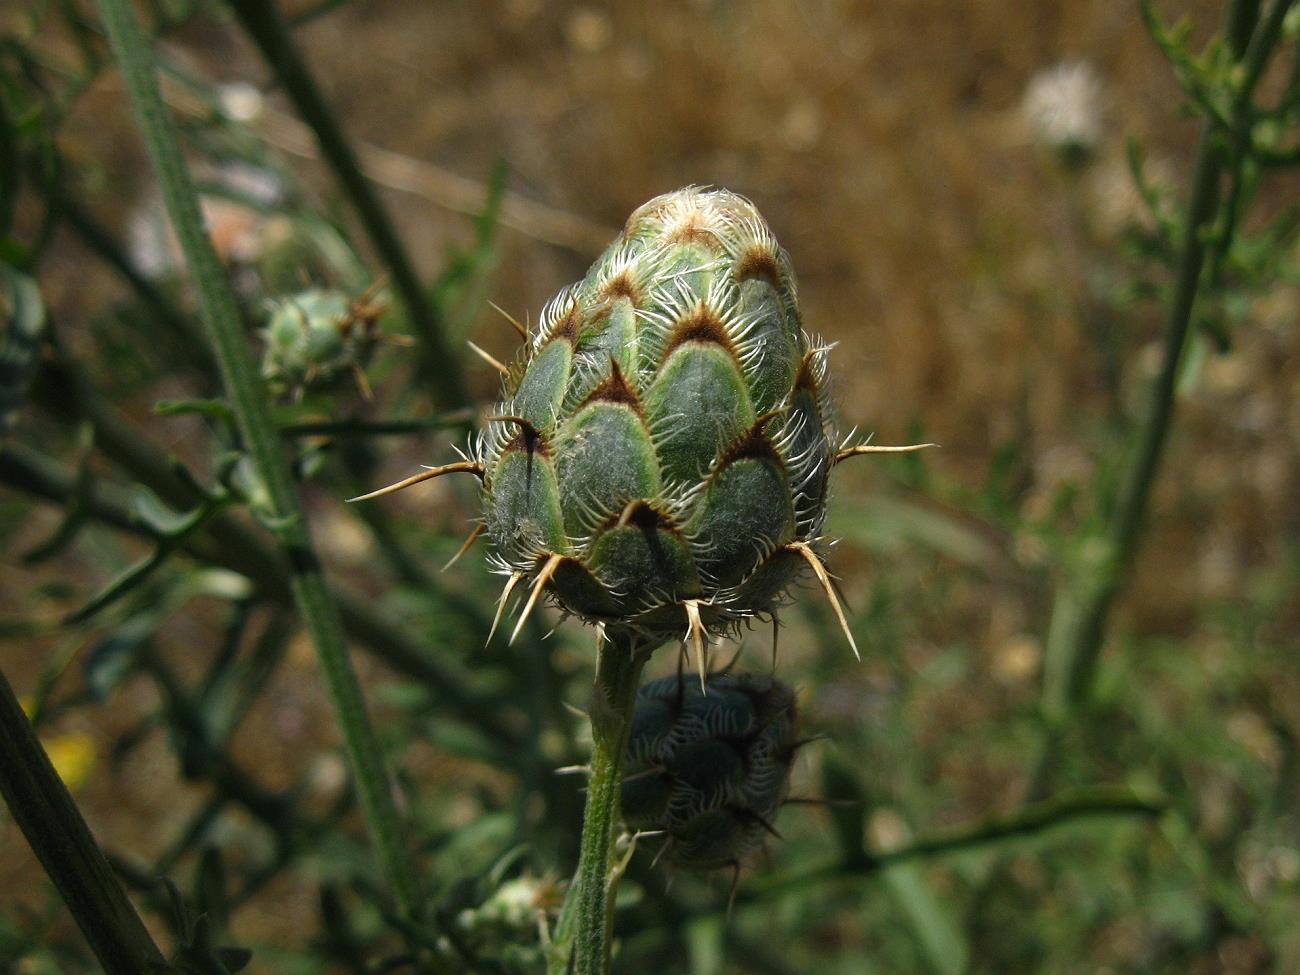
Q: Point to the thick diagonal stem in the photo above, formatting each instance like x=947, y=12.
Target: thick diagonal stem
x=249, y=400
x=59, y=837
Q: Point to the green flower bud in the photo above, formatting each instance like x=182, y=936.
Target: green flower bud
x=660, y=456
x=316, y=337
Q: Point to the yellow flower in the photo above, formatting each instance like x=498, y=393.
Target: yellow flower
x=73, y=756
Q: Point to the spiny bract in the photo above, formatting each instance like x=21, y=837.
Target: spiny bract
x=709, y=767
x=660, y=458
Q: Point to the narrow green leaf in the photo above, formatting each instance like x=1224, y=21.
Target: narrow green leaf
x=938, y=936
x=212, y=408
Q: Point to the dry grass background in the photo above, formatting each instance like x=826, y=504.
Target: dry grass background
x=959, y=267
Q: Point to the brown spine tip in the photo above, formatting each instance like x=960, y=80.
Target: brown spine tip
x=566, y=326
x=641, y=514
x=529, y=438
x=846, y=452
x=759, y=262
x=514, y=323
x=693, y=229
x=697, y=637
x=543, y=577
x=466, y=466
x=614, y=388
x=754, y=443
x=823, y=577
x=621, y=285
x=806, y=378
x=700, y=324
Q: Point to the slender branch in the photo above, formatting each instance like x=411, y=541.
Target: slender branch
x=1083, y=606
x=1026, y=822
x=267, y=29
x=1254, y=53
x=252, y=409
x=45, y=812
x=1081, y=612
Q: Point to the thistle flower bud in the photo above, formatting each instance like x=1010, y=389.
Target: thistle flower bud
x=503, y=929
x=661, y=454
x=315, y=337
x=710, y=767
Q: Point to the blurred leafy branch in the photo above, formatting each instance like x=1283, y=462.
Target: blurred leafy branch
x=240, y=533
x=1201, y=249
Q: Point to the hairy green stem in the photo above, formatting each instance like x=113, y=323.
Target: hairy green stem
x=587, y=922
x=252, y=409
x=45, y=812
x=267, y=29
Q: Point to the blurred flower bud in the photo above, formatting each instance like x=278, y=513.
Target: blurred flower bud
x=1063, y=107
x=315, y=337
x=710, y=767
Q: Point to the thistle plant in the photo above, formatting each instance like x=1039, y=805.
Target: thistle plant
x=658, y=467
x=660, y=458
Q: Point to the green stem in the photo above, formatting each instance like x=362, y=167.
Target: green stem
x=45, y=812
x=252, y=408
x=587, y=922
x=267, y=29
x=1080, y=615
x=1028, y=822
x=1082, y=609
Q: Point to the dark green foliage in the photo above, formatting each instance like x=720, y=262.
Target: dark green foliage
x=22, y=319
x=661, y=449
